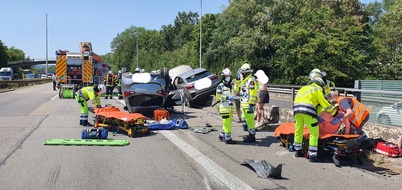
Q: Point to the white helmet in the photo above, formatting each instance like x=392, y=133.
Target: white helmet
x=101, y=88
x=319, y=81
x=226, y=72
x=316, y=73
x=119, y=72
x=137, y=70
x=110, y=72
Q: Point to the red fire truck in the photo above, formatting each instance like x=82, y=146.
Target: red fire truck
x=77, y=69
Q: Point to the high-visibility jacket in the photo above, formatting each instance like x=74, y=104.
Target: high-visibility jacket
x=330, y=86
x=109, y=80
x=248, y=88
x=88, y=93
x=222, y=93
x=118, y=80
x=360, y=111
x=307, y=99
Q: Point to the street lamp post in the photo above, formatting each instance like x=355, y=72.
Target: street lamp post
x=46, y=49
x=137, y=50
x=201, y=34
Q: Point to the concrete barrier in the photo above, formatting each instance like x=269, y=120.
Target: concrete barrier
x=19, y=83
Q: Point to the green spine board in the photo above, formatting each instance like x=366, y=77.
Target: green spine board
x=90, y=142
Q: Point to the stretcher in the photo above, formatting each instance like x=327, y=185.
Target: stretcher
x=337, y=145
x=112, y=118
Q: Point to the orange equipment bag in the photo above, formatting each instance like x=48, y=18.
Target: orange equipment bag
x=161, y=113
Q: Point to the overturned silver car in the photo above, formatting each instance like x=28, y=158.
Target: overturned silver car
x=144, y=92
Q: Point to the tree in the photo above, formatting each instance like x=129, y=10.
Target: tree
x=388, y=37
x=15, y=54
x=3, y=54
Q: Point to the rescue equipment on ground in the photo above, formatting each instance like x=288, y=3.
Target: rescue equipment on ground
x=387, y=148
x=168, y=124
x=112, y=118
x=160, y=114
x=96, y=133
x=87, y=142
x=346, y=146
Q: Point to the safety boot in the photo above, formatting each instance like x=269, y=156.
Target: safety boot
x=299, y=153
x=313, y=159
x=249, y=139
x=230, y=141
x=221, y=136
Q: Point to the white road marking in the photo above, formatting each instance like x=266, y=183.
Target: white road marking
x=54, y=97
x=226, y=177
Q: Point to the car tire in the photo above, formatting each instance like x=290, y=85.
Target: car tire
x=384, y=119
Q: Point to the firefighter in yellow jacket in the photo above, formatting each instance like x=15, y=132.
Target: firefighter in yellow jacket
x=248, y=88
x=88, y=93
x=305, y=113
x=226, y=107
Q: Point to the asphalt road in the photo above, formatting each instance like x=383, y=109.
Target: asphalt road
x=176, y=159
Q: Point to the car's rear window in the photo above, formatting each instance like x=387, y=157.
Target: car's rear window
x=197, y=76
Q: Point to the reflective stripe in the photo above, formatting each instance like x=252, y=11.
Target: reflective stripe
x=358, y=116
x=308, y=91
x=82, y=95
x=304, y=108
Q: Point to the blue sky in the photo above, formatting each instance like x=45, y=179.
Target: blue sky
x=23, y=22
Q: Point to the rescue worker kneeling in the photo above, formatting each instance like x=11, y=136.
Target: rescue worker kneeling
x=226, y=107
x=305, y=113
x=85, y=94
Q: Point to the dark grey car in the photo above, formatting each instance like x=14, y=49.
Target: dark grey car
x=187, y=80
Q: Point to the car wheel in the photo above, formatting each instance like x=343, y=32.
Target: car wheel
x=384, y=119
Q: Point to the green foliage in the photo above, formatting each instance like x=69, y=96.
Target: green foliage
x=285, y=38
x=3, y=55
x=15, y=54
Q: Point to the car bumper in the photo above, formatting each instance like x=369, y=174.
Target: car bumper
x=198, y=96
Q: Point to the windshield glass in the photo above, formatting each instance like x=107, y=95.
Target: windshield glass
x=5, y=73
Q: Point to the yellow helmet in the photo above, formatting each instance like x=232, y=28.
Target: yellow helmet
x=329, y=87
x=246, y=68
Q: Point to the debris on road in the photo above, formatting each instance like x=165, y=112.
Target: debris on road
x=264, y=169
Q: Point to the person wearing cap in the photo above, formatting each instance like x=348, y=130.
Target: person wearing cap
x=248, y=89
x=305, y=113
x=109, y=82
x=263, y=95
x=85, y=94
